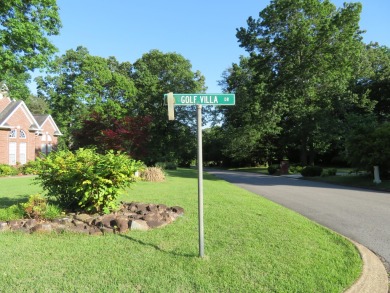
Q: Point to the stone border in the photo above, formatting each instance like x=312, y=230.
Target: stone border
x=130, y=216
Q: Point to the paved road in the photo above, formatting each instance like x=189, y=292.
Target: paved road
x=359, y=214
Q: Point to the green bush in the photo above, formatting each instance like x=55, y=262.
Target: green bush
x=30, y=168
x=7, y=170
x=13, y=212
x=272, y=170
x=311, y=171
x=166, y=165
x=329, y=172
x=296, y=169
x=85, y=180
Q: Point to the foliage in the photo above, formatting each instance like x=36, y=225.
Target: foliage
x=85, y=179
x=37, y=105
x=376, y=80
x=31, y=168
x=329, y=172
x=272, y=169
x=79, y=83
x=25, y=28
x=153, y=174
x=166, y=165
x=295, y=84
x=368, y=143
x=295, y=169
x=13, y=212
x=311, y=171
x=154, y=75
x=7, y=170
x=35, y=206
x=127, y=134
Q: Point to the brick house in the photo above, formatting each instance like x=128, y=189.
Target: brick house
x=23, y=136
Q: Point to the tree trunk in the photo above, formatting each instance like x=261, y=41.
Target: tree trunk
x=303, y=155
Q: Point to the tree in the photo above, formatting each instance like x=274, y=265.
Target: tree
x=309, y=52
x=251, y=125
x=367, y=143
x=37, y=105
x=79, y=84
x=156, y=74
x=25, y=26
x=126, y=134
x=376, y=80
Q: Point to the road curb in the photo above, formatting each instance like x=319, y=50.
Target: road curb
x=374, y=275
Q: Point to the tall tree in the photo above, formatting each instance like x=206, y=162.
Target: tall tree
x=375, y=81
x=311, y=52
x=25, y=27
x=79, y=83
x=156, y=74
x=250, y=124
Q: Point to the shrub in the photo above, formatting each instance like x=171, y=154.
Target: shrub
x=296, y=169
x=311, y=171
x=13, y=212
x=166, y=165
x=51, y=212
x=31, y=167
x=85, y=179
x=35, y=207
x=153, y=174
x=329, y=172
x=272, y=170
x=7, y=170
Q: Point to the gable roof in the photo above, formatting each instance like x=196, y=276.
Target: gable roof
x=11, y=109
x=42, y=119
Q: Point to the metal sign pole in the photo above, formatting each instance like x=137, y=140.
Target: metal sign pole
x=200, y=182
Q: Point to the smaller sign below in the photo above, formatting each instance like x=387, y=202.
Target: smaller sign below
x=204, y=99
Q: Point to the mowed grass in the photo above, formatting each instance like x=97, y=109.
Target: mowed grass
x=15, y=190
x=251, y=245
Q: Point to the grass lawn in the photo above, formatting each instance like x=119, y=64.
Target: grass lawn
x=251, y=245
x=14, y=190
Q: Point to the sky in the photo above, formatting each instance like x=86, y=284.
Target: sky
x=202, y=31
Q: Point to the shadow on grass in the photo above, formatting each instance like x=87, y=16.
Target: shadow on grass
x=191, y=255
x=6, y=202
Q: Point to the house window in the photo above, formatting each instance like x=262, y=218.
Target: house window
x=22, y=134
x=46, y=145
x=12, y=153
x=22, y=153
x=12, y=133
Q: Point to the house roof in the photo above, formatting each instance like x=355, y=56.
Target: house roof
x=10, y=109
x=42, y=119
x=37, y=121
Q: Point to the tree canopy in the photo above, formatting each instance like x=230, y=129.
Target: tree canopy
x=304, y=56
x=25, y=27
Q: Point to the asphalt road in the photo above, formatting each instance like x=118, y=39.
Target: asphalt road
x=359, y=214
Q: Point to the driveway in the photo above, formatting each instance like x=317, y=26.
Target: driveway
x=359, y=214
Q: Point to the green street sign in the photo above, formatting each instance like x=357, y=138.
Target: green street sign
x=204, y=99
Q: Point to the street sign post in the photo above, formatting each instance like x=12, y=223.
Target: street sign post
x=199, y=100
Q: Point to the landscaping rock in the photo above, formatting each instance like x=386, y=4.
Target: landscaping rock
x=4, y=226
x=30, y=223
x=42, y=228
x=138, y=225
x=130, y=216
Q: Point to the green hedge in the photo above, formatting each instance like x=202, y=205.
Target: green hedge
x=311, y=171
